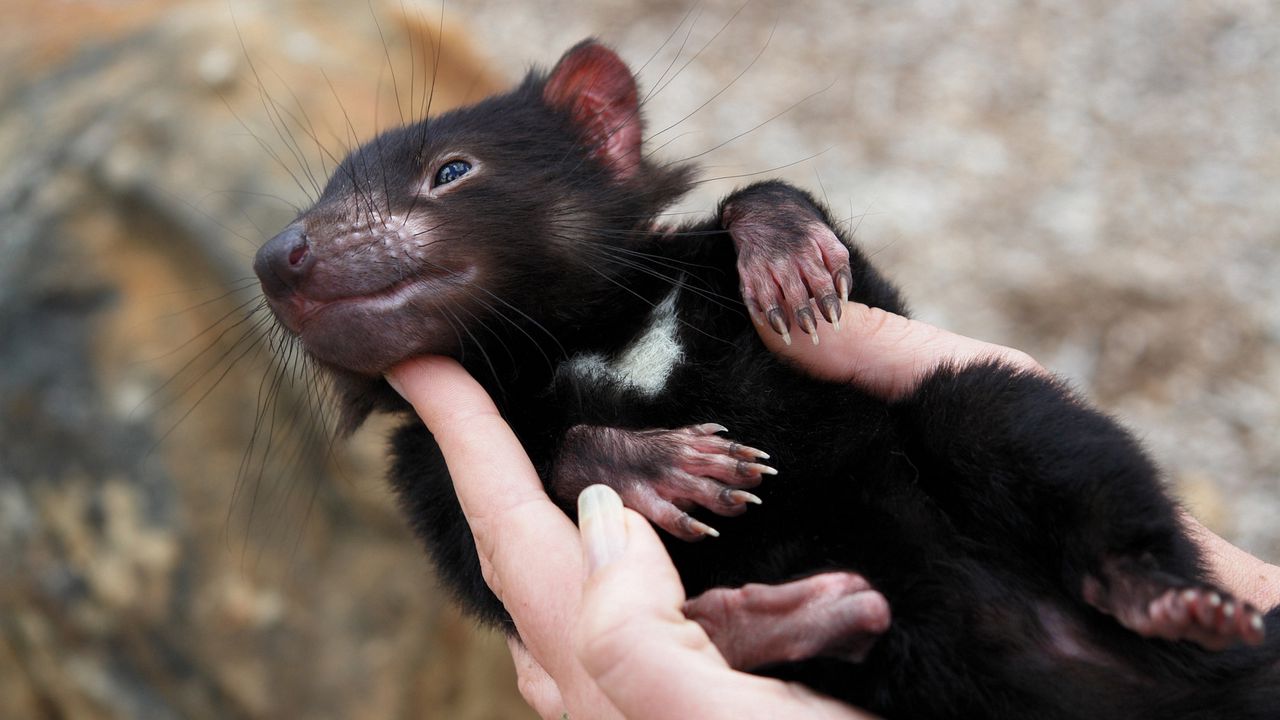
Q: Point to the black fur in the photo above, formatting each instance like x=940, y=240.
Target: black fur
x=977, y=505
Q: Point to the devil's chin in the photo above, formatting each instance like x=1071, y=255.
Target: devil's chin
x=369, y=344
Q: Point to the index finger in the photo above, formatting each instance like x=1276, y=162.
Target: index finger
x=490, y=470
x=885, y=353
x=528, y=547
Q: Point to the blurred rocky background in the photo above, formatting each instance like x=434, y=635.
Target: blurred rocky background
x=1095, y=182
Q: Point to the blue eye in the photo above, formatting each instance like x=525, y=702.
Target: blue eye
x=451, y=171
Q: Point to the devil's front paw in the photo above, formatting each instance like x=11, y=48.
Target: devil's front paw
x=663, y=474
x=789, y=260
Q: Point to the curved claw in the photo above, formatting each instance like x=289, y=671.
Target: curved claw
x=778, y=321
x=665, y=473
x=804, y=318
x=844, y=281
x=699, y=528
x=831, y=308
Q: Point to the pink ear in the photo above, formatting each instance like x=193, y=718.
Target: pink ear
x=598, y=91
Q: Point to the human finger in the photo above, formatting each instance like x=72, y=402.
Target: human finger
x=529, y=550
x=887, y=354
x=496, y=483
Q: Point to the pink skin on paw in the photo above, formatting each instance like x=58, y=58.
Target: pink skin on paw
x=706, y=470
x=663, y=474
x=1202, y=615
x=1205, y=617
x=789, y=262
x=835, y=614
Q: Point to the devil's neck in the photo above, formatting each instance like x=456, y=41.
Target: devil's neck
x=520, y=360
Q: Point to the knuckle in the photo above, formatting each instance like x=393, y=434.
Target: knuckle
x=725, y=496
x=489, y=576
x=875, y=321
x=1020, y=359
x=531, y=689
x=685, y=523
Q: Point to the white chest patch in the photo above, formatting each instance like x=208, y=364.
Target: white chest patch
x=646, y=363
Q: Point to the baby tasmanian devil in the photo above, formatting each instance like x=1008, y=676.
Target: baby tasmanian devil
x=1027, y=561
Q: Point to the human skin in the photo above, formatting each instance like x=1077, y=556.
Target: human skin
x=598, y=608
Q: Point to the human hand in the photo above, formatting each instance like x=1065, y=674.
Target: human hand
x=600, y=638
x=889, y=355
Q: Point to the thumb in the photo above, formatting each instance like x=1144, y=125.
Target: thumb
x=885, y=353
x=634, y=641
x=631, y=635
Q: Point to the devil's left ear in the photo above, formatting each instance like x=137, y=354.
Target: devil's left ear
x=597, y=89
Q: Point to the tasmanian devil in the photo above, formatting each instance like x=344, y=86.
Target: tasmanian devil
x=1031, y=562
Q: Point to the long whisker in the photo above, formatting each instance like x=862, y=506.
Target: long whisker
x=722, y=90
x=652, y=304
x=248, y=317
x=706, y=45
x=725, y=301
x=752, y=129
x=766, y=171
x=256, y=339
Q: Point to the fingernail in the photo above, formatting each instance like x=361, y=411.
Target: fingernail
x=601, y=524
x=391, y=380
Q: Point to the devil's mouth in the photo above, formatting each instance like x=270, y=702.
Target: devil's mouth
x=298, y=312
